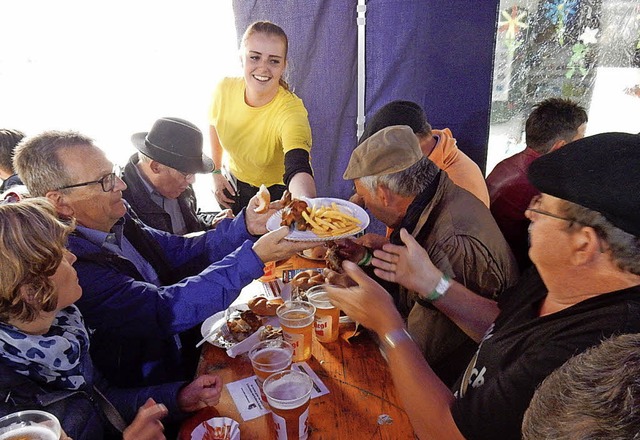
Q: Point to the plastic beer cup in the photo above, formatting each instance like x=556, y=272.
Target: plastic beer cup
x=29, y=425
x=327, y=317
x=288, y=393
x=296, y=320
x=270, y=356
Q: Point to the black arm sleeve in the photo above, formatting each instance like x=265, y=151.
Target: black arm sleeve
x=296, y=161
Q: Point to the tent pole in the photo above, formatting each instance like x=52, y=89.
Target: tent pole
x=361, y=21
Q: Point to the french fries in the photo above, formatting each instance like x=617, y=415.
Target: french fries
x=331, y=221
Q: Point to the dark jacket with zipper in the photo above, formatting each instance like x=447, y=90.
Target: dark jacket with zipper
x=79, y=411
x=149, y=212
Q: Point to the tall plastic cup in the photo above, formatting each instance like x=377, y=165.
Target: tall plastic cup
x=29, y=425
x=270, y=356
x=296, y=320
x=288, y=393
x=327, y=316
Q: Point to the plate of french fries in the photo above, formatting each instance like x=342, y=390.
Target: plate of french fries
x=327, y=218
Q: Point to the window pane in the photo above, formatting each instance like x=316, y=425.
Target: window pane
x=584, y=50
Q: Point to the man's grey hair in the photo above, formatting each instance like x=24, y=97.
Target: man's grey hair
x=624, y=247
x=594, y=395
x=40, y=166
x=143, y=158
x=407, y=183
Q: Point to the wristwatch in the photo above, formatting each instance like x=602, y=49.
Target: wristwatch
x=440, y=289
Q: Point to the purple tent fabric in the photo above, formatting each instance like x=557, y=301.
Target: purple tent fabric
x=322, y=72
x=438, y=53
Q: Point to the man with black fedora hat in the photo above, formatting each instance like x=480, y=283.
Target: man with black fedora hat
x=160, y=176
x=584, y=287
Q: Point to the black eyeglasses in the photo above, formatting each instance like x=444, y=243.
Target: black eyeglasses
x=107, y=182
x=533, y=207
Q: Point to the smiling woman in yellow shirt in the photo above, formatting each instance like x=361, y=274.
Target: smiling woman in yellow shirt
x=261, y=127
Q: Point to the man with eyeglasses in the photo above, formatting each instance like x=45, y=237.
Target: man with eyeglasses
x=160, y=176
x=585, y=286
x=142, y=287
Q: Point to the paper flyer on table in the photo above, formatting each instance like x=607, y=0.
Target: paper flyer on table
x=248, y=398
x=319, y=388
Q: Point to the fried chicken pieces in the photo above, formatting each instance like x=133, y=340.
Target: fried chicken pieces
x=292, y=212
x=343, y=249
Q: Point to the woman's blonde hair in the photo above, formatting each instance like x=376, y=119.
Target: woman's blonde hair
x=266, y=27
x=32, y=242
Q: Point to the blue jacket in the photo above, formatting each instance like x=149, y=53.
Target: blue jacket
x=79, y=413
x=134, y=325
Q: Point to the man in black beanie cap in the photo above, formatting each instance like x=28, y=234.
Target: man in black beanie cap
x=438, y=145
x=584, y=287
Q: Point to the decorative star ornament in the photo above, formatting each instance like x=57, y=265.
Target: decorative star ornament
x=589, y=36
x=513, y=21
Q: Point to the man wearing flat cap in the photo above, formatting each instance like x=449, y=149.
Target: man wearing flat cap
x=404, y=189
x=584, y=287
x=160, y=175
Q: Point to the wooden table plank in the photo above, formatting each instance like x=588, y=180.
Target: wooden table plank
x=354, y=371
x=360, y=388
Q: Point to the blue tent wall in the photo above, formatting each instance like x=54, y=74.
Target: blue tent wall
x=438, y=53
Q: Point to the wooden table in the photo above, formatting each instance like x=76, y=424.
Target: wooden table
x=354, y=371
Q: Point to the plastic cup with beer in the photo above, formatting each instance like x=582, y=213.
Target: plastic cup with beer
x=29, y=425
x=288, y=393
x=327, y=316
x=296, y=320
x=270, y=356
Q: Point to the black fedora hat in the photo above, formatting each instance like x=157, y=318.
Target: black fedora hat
x=175, y=143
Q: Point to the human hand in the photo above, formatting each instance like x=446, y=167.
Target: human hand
x=147, y=424
x=256, y=222
x=226, y=213
x=343, y=249
x=202, y=392
x=407, y=265
x=367, y=302
x=64, y=436
x=372, y=241
x=220, y=183
x=274, y=247
x=337, y=278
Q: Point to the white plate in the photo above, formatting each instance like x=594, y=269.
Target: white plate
x=305, y=254
x=350, y=208
x=214, y=323
x=217, y=321
x=225, y=428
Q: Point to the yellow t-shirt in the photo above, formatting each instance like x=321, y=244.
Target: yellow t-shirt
x=255, y=139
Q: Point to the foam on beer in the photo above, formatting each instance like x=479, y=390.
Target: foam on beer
x=33, y=432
